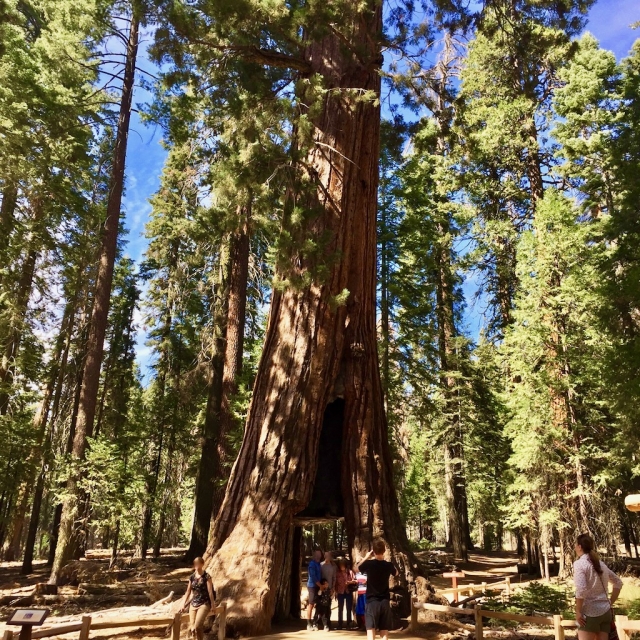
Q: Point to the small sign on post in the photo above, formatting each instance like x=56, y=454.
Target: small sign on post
x=27, y=619
x=454, y=575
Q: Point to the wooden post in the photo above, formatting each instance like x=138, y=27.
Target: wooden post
x=454, y=575
x=484, y=587
x=222, y=622
x=86, y=626
x=623, y=634
x=508, y=587
x=8, y=635
x=413, y=625
x=478, y=616
x=558, y=629
x=175, y=626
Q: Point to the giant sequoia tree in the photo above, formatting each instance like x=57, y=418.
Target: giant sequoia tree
x=320, y=344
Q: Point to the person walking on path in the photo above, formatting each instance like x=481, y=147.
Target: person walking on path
x=592, y=577
x=346, y=584
x=378, y=608
x=198, y=599
x=313, y=584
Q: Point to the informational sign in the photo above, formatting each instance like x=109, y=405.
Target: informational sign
x=453, y=574
x=31, y=617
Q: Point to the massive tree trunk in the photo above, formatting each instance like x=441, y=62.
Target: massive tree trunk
x=100, y=312
x=318, y=348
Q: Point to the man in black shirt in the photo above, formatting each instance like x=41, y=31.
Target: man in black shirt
x=378, y=611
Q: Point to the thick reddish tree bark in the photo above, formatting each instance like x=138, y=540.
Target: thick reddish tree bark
x=317, y=349
x=99, y=316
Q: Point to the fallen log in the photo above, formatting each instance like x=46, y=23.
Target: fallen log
x=12, y=600
x=89, y=600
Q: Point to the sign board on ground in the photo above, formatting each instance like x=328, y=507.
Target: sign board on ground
x=31, y=617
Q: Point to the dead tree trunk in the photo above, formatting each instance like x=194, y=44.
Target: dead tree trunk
x=318, y=348
x=100, y=312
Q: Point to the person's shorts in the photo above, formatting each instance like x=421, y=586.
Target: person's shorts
x=598, y=624
x=378, y=615
x=313, y=594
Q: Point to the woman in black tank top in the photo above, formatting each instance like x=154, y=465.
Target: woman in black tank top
x=198, y=599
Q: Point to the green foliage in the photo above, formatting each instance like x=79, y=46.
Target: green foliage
x=535, y=599
x=633, y=610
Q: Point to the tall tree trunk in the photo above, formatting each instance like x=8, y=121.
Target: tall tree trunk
x=209, y=465
x=44, y=425
x=454, y=449
x=234, y=350
x=14, y=337
x=316, y=350
x=7, y=211
x=384, y=308
x=100, y=312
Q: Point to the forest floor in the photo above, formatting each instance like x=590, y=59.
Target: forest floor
x=131, y=588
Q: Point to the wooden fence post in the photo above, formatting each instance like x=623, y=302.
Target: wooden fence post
x=623, y=634
x=8, y=635
x=478, y=617
x=484, y=587
x=508, y=589
x=86, y=626
x=222, y=622
x=558, y=629
x=175, y=626
x=413, y=625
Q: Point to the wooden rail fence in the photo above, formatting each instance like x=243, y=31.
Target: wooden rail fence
x=472, y=589
x=87, y=625
x=626, y=627
x=478, y=614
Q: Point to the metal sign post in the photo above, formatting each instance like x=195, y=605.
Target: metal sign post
x=27, y=619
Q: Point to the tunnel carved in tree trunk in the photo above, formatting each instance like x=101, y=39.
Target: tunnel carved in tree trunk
x=327, y=501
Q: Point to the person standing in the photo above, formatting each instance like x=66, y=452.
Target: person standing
x=378, y=608
x=329, y=570
x=313, y=584
x=323, y=606
x=591, y=577
x=361, y=601
x=198, y=599
x=346, y=584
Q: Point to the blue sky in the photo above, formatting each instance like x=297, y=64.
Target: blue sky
x=609, y=20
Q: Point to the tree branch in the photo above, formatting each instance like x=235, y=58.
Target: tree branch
x=263, y=56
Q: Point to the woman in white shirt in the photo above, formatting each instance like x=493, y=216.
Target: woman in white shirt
x=591, y=577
